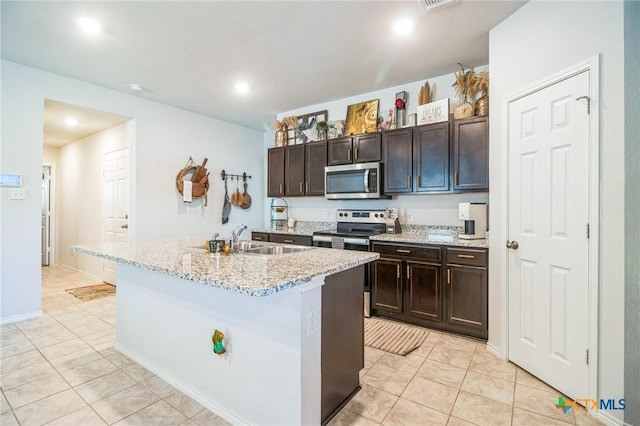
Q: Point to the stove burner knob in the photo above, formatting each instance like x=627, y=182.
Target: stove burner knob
x=375, y=215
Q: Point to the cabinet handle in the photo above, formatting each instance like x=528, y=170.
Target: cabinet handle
x=307, y=186
x=466, y=256
x=408, y=275
x=300, y=187
x=403, y=251
x=419, y=181
x=355, y=156
x=448, y=276
x=349, y=154
x=398, y=270
x=281, y=189
x=456, y=178
x=258, y=238
x=288, y=241
x=409, y=181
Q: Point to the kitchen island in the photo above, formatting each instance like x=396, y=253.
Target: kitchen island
x=282, y=365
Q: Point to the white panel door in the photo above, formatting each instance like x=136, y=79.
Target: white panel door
x=115, y=207
x=548, y=219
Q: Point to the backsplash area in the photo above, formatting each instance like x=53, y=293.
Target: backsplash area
x=441, y=210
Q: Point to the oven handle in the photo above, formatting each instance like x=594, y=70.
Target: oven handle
x=355, y=241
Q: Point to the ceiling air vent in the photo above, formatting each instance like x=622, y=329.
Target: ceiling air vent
x=431, y=5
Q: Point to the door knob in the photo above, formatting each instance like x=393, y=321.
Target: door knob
x=125, y=226
x=512, y=245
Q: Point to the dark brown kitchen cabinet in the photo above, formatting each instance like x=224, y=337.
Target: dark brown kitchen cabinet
x=466, y=291
x=431, y=157
x=387, y=285
x=397, y=155
x=315, y=159
x=277, y=237
x=470, y=154
x=407, y=282
x=440, y=287
x=275, y=172
x=294, y=170
x=362, y=148
x=260, y=236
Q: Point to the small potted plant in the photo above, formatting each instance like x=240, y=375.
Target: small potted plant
x=322, y=128
x=482, y=85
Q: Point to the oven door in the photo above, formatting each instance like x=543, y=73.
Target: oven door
x=360, y=244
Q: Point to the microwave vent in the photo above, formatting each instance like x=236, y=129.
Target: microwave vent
x=431, y=5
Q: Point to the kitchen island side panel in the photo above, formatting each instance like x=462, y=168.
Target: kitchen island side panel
x=272, y=372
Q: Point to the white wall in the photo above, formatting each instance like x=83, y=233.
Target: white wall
x=165, y=137
x=433, y=209
x=538, y=40
x=79, y=195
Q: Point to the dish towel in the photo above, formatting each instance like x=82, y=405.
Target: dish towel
x=187, y=191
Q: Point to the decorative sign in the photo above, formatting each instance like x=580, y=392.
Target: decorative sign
x=10, y=180
x=434, y=112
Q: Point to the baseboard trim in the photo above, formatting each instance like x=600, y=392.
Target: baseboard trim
x=608, y=419
x=497, y=352
x=21, y=317
x=184, y=388
x=94, y=277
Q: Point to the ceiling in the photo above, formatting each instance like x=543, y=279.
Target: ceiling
x=291, y=53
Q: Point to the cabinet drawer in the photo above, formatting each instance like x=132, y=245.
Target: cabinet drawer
x=471, y=257
x=260, y=236
x=414, y=252
x=301, y=240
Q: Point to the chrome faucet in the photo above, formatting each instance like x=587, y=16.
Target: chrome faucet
x=235, y=234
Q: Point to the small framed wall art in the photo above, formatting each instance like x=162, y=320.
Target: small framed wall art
x=362, y=117
x=434, y=112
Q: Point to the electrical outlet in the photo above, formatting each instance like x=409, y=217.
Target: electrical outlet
x=311, y=323
x=19, y=194
x=326, y=215
x=409, y=216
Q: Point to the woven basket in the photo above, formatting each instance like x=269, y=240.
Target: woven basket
x=198, y=190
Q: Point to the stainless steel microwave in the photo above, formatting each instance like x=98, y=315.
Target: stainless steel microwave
x=354, y=181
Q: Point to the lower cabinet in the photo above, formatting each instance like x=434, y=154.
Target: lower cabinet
x=438, y=287
x=275, y=237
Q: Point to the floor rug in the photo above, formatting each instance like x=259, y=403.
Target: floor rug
x=92, y=292
x=392, y=337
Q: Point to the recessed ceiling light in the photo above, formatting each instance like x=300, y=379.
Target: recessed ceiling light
x=71, y=122
x=89, y=25
x=242, y=88
x=135, y=87
x=403, y=26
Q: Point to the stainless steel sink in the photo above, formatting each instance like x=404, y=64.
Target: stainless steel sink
x=274, y=250
x=245, y=245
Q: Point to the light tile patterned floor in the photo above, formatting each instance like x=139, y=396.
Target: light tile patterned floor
x=62, y=369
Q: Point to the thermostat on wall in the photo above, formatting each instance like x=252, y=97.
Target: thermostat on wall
x=10, y=180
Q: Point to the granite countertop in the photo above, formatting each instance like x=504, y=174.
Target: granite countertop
x=251, y=274
x=409, y=237
x=301, y=228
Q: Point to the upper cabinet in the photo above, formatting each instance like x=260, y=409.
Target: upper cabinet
x=354, y=149
x=470, y=154
x=296, y=170
x=416, y=159
x=275, y=172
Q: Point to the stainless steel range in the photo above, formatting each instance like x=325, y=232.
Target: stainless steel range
x=352, y=232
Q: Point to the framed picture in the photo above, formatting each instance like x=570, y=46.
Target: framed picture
x=434, y=112
x=362, y=118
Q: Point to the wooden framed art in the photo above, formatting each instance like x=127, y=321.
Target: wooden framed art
x=362, y=117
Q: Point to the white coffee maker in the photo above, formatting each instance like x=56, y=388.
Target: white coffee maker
x=475, y=220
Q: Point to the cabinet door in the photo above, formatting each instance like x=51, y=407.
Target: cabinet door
x=300, y=240
x=466, y=297
x=275, y=172
x=387, y=285
x=315, y=161
x=397, y=154
x=339, y=151
x=471, y=154
x=424, y=294
x=294, y=170
x=431, y=157
x=366, y=148
x=260, y=236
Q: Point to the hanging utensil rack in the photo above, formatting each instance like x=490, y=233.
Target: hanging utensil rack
x=225, y=176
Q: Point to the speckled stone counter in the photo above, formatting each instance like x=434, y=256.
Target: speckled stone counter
x=251, y=274
x=423, y=238
x=301, y=228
